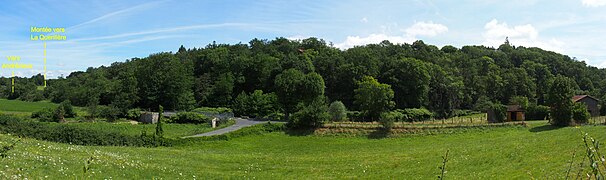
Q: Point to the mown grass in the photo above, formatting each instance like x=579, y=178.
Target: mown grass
x=24, y=108
x=538, y=151
x=16, y=106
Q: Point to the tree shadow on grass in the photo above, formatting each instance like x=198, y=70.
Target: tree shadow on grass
x=542, y=128
x=298, y=132
x=380, y=133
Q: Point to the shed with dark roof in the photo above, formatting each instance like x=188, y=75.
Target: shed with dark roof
x=590, y=102
x=515, y=113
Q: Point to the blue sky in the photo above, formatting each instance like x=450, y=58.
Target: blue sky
x=105, y=31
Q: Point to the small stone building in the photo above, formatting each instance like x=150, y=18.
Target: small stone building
x=590, y=102
x=149, y=117
x=515, y=113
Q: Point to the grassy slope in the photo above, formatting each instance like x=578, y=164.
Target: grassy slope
x=17, y=106
x=170, y=130
x=24, y=108
x=511, y=153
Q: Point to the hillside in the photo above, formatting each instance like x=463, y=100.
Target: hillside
x=421, y=75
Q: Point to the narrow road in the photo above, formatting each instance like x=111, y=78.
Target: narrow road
x=240, y=123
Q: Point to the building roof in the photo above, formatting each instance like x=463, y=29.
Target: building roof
x=579, y=97
x=514, y=108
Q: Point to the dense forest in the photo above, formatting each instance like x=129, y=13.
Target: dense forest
x=279, y=74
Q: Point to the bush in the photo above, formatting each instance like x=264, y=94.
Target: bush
x=337, y=111
x=580, y=115
x=64, y=133
x=537, y=112
x=133, y=114
x=276, y=116
x=108, y=112
x=414, y=114
x=256, y=104
x=463, y=112
x=355, y=116
x=45, y=115
x=68, y=108
x=217, y=110
x=500, y=111
x=190, y=117
x=388, y=118
x=310, y=115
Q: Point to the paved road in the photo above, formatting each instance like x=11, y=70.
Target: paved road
x=240, y=123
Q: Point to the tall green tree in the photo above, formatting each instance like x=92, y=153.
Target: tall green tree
x=560, y=100
x=409, y=79
x=373, y=97
x=445, y=92
x=163, y=79
x=294, y=87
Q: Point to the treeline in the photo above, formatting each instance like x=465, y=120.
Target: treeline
x=278, y=75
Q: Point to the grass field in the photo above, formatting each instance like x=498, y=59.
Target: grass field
x=23, y=108
x=538, y=151
x=16, y=106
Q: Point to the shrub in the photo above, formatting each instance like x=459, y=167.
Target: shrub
x=463, y=112
x=108, y=112
x=414, y=114
x=537, y=112
x=216, y=110
x=190, y=117
x=68, y=108
x=276, y=116
x=64, y=133
x=256, y=104
x=310, y=115
x=355, y=116
x=387, y=119
x=45, y=115
x=133, y=114
x=159, y=129
x=337, y=111
x=580, y=113
x=500, y=111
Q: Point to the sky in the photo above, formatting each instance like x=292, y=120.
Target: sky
x=105, y=31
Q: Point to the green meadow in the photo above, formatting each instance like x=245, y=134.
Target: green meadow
x=516, y=152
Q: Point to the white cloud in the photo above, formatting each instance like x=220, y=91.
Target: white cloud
x=352, y=41
x=521, y=35
x=594, y=3
x=426, y=29
x=364, y=20
x=297, y=37
x=418, y=29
